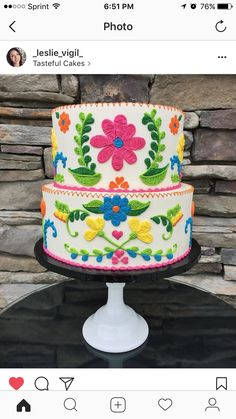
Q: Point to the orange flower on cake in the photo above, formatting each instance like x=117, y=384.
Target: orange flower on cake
x=174, y=125
x=64, y=122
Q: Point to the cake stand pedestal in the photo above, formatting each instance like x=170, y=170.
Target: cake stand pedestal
x=116, y=327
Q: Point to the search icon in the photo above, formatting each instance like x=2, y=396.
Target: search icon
x=70, y=404
x=42, y=384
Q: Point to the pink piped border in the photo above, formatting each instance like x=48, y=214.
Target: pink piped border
x=121, y=268
x=114, y=104
x=114, y=190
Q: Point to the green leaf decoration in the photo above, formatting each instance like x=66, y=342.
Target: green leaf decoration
x=82, y=116
x=151, y=154
x=137, y=207
x=146, y=119
x=83, y=215
x=108, y=249
x=134, y=248
x=153, y=177
x=87, y=128
x=78, y=128
x=165, y=221
x=147, y=251
x=154, y=146
x=159, y=252
x=147, y=162
x=72, y=217
x=97, y=252
x=84, y=139
x=84, y=252
x=57, y=115
x=180, y=117
x=175, y=178
x=150, y=177
x=59, y=178
x=85, y=176
x=85, y=149
x=87, y=159
x=77, y=215
x=94, y=206
x=172, y=212
x=62, y=207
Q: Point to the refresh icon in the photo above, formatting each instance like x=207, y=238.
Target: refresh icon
x=220, y=27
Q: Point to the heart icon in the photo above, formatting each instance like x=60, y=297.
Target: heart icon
x=16, y=382
x=165, y=404
x=117, y=234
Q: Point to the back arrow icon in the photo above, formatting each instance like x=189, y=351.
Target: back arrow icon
x=10, y=26
x=217, y=26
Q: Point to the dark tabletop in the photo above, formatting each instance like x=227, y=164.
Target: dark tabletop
x=188, y=328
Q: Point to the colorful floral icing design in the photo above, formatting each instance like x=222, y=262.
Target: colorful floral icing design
x=96, y=225
x=139, y=229
x=180, y=148
x=54, y=143
x=46, y=225
x=169, y=221
x=116, y=209
x=189, y=226
x=85, y=174
x=154, y=174
x=174, y=124
x=119, y=183
x=118, y=143
x=175, y=162
x=118, y=256
x=64, y=121
x=59, y=157
x=43, y=207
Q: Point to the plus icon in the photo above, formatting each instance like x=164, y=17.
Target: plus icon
x=118, y=404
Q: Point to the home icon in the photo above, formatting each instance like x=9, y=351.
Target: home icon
x=23, y=406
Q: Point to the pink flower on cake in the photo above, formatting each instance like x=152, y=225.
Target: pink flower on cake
x=119, y=257
x=118, y=142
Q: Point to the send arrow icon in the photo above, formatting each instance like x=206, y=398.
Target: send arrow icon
x=67, y=381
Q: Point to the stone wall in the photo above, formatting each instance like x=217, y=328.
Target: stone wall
x=25, y=164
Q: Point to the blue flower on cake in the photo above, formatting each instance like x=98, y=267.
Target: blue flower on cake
x=115, y=209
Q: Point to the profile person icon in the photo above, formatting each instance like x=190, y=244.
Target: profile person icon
x=212, y=405
x=16, y=57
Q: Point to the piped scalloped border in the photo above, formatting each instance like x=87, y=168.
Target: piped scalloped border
x=121, y=268
x=89, y=192
x=75, y=188
x=111, y=104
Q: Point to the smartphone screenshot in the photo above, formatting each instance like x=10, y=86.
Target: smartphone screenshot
x=117, y=209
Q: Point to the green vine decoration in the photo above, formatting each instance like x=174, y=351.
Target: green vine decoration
x=154, y=175
x=59, y=178
x=68, y=216
x=169, y=220
x=85, y=174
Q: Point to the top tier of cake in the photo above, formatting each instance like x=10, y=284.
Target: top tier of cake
x=121, y=146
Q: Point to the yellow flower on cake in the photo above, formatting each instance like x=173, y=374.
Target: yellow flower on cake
x=96, y=225
x=54, y=144
x=180, y=148
x=141, y=230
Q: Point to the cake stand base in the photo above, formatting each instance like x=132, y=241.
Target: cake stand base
x=115, y=327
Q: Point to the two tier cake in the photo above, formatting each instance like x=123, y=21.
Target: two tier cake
x=117, y=201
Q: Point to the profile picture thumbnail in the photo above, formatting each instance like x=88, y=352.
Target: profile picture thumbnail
x=16, y=57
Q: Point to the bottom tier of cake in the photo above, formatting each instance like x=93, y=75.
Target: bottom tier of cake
x=117, y=231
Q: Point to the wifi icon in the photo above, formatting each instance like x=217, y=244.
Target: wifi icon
x=56, y=5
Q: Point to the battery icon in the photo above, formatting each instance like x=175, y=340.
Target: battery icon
x=224, y=6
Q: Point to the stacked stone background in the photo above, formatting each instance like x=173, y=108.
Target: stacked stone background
x=209, y=164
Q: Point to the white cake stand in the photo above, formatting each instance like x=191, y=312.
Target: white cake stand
x=116, y=327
